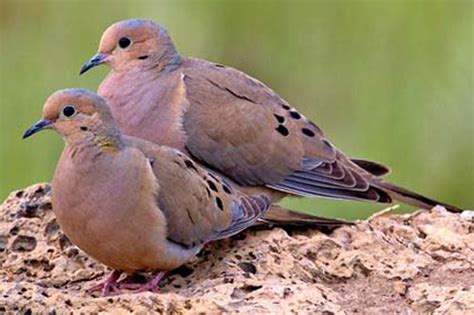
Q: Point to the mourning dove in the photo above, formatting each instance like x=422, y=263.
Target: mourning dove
x=229, y=121
x=129, y=203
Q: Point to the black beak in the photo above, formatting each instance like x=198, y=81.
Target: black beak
x=38, y=126
x=98, y=59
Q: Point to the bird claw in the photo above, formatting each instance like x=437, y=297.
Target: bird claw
x=107, y=287
x=151, y=285
x=110, y=286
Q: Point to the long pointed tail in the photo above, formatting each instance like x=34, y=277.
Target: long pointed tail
x=279, y=216
x=412, y=198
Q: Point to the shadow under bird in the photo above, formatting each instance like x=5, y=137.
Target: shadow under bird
x=131, y=204
x=230, y=122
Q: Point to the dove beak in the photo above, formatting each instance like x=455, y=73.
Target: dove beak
x=38, y=126
x=96, y=60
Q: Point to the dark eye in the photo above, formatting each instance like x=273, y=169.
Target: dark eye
x=68, y=111
x=124, y=42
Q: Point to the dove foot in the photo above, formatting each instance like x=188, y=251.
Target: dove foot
x=151, y=285
x=109, y=286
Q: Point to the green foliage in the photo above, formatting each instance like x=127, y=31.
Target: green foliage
x=390, y=81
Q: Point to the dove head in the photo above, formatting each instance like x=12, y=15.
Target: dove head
x=78, y=115
x=135, y=44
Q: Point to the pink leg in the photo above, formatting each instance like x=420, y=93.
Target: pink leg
x=109, y=285
x=151, y=285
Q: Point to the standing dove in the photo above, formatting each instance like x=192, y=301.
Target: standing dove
x=229, y=121
x=129, y=203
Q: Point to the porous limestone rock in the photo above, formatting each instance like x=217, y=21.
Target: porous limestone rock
x=409, y=264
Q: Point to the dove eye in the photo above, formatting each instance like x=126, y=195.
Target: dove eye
x=124, y=42
x=69, y=111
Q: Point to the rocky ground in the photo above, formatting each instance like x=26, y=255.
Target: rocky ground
x=407, y=264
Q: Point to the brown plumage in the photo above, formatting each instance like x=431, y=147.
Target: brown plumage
x=229, y=121
x=129, y=203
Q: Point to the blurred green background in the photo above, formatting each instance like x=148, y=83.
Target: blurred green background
x=390, y=81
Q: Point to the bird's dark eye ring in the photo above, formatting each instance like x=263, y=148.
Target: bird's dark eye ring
x=124, y=42
x=69, y=110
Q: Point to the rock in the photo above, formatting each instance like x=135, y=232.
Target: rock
x=413, y=263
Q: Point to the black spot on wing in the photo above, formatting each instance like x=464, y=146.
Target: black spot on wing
x=190, y=164
x=219, y=203
x=295, y=115
x=307, y=132
x=282, y=130
x=279, y=118
x=212, y=185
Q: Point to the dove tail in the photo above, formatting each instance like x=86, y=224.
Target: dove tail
x=372, y=167
x=413, y=198
x=283, y=217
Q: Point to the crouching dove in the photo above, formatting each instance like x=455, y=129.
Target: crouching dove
x=130, y=204
x=229, y=121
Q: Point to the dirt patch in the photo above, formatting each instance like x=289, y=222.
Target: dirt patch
x=418, y=263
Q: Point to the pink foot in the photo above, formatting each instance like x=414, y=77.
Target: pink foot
x=151, y=285
x=108, y=286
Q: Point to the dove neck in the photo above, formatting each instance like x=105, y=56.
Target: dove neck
x=102, y=139
x=169, y=58
x=166, y=60
x=109, y=143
